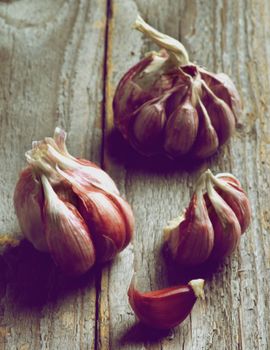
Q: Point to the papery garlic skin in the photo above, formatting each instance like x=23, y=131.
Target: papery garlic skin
x=235, y=197
x=192, y=239
x=28, y=203
x=210, y=228
x=67, y=235
x=166, y=79
x=108, y=216
x=225, y=224
x=77, y=213
x=165, y=308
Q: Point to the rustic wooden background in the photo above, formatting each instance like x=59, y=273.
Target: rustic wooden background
x=60, y=62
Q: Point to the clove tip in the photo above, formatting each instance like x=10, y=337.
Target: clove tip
x=197, y=287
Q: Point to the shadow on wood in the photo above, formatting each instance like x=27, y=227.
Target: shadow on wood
x=177, y=274
x=121, y=152
x=139, y=334
x=29, y=278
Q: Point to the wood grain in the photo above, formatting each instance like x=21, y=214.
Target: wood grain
x=222, y=36
x=52, y=59
x=58, y=58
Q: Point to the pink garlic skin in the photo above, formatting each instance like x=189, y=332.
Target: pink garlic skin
x=165, y=308
x=237, y=199
x=192, y=242
x=67, y=235
x=220, y=99
x=28, y=202
x=70, y=207
x=211, y=227
x=109, y=219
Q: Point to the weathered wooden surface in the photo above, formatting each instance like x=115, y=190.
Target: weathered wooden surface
x=60, y=63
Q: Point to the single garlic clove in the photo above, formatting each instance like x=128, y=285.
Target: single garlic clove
x=225, y=223
x=28, y=203
x=236, y=198
x=181, y=129
x=206, y=143
x=67, y=235
x=106, y=222
x=129, y=95
x=191, y=238
x=147, y=129
x=165, y=308
x=228, y=92
x=127, y=216
x=223, y=87
x=222, y=120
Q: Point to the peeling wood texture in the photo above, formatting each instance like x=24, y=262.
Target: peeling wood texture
x=60, y=64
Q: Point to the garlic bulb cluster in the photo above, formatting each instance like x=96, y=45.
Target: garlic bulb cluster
x=70, y=207
x=165, y=308
x=166, y=104
x=211, y=227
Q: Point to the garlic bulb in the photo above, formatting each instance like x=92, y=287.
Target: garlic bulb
x=210, y=228
x=165, y=308
x=167, y=104
x=70, y=207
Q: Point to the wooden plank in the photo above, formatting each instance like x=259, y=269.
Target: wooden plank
x=223, y=36
x=51, y=70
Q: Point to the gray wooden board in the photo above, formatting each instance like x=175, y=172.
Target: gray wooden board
x=60, y=64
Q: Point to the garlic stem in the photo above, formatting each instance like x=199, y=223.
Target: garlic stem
x=50, y=195
x=60, y=138
x=177, y=51
x=219, y=183
x=216, y=201
x=38, y=163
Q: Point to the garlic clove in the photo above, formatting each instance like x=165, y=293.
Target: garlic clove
x=165, y=308
x=129, y=95
x=226, y=226
x=105, y=220
x=223, y=87
x=181, y=129
x=228, y=92
x=191, y=237
x=28, y=203
x=221, y=116
x=148, y=125
x=236, y=198
x=67, y=235
x=206, y=143
x=108, y=216
x=222, y=120
x=127, y=216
